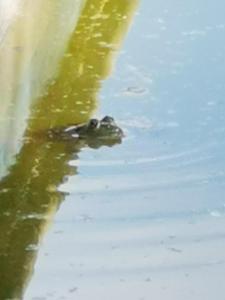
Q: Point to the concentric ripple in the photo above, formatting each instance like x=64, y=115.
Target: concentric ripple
x=145, y=219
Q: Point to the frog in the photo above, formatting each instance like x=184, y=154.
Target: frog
x=94, y=133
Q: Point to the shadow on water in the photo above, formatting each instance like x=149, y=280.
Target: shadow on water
x=29, y=196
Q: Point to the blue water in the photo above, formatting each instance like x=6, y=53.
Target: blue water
x=145, y=219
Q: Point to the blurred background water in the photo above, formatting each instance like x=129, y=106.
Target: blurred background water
x=143, y=219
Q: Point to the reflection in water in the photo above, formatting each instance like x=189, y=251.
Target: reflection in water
x=29, y=199
x=33, y=37
x=30, y=53
x=87, y=61
x=152, y=225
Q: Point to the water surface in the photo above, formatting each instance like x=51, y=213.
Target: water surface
x=144, y=219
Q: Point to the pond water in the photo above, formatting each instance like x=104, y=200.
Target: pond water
x=143, y=219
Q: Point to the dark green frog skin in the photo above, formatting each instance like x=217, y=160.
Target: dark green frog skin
x=95, y=133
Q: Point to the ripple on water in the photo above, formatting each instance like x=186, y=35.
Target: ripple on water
x=135, y=171
x=147, y=217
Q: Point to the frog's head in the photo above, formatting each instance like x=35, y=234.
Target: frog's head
x=104, y=132
x=95, y=133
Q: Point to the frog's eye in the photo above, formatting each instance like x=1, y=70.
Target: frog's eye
x=93, y=123
x=107, y=119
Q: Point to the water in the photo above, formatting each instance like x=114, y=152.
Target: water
x=140, y=220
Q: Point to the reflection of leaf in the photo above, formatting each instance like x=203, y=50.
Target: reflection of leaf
x=34, y=43
x=29, y=196
x=71, y=98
